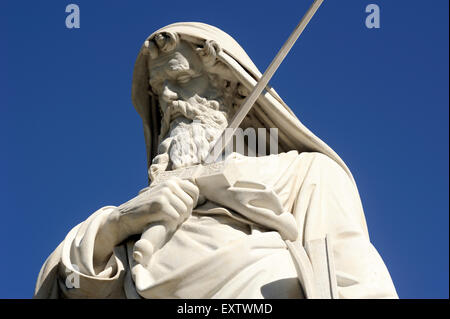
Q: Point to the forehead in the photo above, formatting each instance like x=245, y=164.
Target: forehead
x=182, y=59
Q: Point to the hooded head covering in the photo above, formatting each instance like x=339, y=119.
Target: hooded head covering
x=269, y=110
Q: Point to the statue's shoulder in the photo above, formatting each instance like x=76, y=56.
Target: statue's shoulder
x=326, y=165
x=316, y=157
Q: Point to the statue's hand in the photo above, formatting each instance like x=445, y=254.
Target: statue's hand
x=170, y=202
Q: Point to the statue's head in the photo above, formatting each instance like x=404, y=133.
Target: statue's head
x=196, y=95
x=189, y=79
x=186, y=83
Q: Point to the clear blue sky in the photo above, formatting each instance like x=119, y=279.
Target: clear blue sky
x=71, y=141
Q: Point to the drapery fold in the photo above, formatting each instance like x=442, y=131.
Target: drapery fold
x=317, y=192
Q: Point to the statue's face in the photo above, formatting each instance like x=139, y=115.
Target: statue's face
x=194, y=106
x=179, y=76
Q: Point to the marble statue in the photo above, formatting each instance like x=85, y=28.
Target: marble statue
x=286, y=225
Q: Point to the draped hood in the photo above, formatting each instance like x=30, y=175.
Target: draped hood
x=269, y=110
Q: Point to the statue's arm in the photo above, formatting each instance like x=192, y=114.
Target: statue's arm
x=73, y=270
x=328, y=204
x=93, y=253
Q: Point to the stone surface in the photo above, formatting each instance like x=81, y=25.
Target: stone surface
x=284, y=225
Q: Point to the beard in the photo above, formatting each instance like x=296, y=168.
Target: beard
x=189, y=129
x=190, y=142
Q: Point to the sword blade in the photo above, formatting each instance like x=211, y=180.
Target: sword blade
x=224, y=139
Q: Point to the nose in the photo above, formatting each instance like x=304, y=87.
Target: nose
x=168, y=93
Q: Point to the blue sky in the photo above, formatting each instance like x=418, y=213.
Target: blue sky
x=71, y=141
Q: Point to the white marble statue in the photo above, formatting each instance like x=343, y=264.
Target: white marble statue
x=258, y=237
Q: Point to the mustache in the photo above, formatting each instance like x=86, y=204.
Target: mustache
x=196, y=108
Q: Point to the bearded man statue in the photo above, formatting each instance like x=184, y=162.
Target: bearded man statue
x=221, y=242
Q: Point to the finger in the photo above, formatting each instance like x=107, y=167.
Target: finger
x=179, y=205
x=174, y=185
x=182, y=195
x=191, y=189
x=169, y=214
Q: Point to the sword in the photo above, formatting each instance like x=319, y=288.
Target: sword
x=154, y=237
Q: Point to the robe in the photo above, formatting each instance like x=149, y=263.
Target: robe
x=233, y=245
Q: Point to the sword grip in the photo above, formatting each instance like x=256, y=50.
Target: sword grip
x=152, y=239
